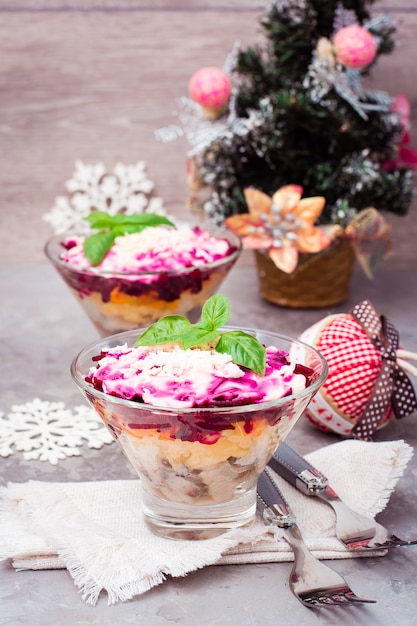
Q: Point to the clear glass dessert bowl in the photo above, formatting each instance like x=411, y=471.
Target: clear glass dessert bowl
x=199, y=466
x=117, y=301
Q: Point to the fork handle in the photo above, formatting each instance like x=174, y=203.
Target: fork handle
x=276, y=511
x=296, y=470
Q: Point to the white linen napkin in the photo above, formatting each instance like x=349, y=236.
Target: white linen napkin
x=96, y=531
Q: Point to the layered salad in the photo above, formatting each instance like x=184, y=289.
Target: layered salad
x=198, y=411
x=132, y=272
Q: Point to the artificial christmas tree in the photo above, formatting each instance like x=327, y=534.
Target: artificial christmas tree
x=301, y=116
x=301, y=113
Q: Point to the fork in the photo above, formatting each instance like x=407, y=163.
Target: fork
x=355, y=531
x=313, y=583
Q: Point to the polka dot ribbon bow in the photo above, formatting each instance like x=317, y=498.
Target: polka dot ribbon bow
x=393, y=389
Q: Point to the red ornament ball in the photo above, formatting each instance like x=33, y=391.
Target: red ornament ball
x=354, y=364
x=210, y=87
x=355, y=47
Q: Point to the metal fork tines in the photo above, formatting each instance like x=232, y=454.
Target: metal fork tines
x=312, y=582
x=356, y=531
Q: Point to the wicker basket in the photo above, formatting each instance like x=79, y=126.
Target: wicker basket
x=320, y=280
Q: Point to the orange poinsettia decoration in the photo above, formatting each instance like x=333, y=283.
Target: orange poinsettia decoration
x=284, y=224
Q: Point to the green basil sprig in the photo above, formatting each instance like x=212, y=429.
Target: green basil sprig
x=96, y=246
x=244, y=349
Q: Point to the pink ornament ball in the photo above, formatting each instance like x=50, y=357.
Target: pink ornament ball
x=210, y=87
x=355, y=47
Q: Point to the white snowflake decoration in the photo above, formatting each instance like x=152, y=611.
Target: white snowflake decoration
x=47, y=431
x=127, y=190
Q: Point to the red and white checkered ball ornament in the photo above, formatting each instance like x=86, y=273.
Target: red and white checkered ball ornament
x=366, y=386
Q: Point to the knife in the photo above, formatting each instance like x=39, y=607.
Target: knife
x=354, y=530
x=296, y=470
x=271, y=503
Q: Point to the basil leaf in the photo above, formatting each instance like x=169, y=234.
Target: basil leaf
x=125, y=229
x=102, y=220
x=97, y=246
x=244, y=349
x=99, y=220
x=141, y=219
x=198, y=337
x=215, y=312
x=168, y=328
x=137, y=223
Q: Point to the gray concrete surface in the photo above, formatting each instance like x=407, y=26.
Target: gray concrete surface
x=42, y=328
